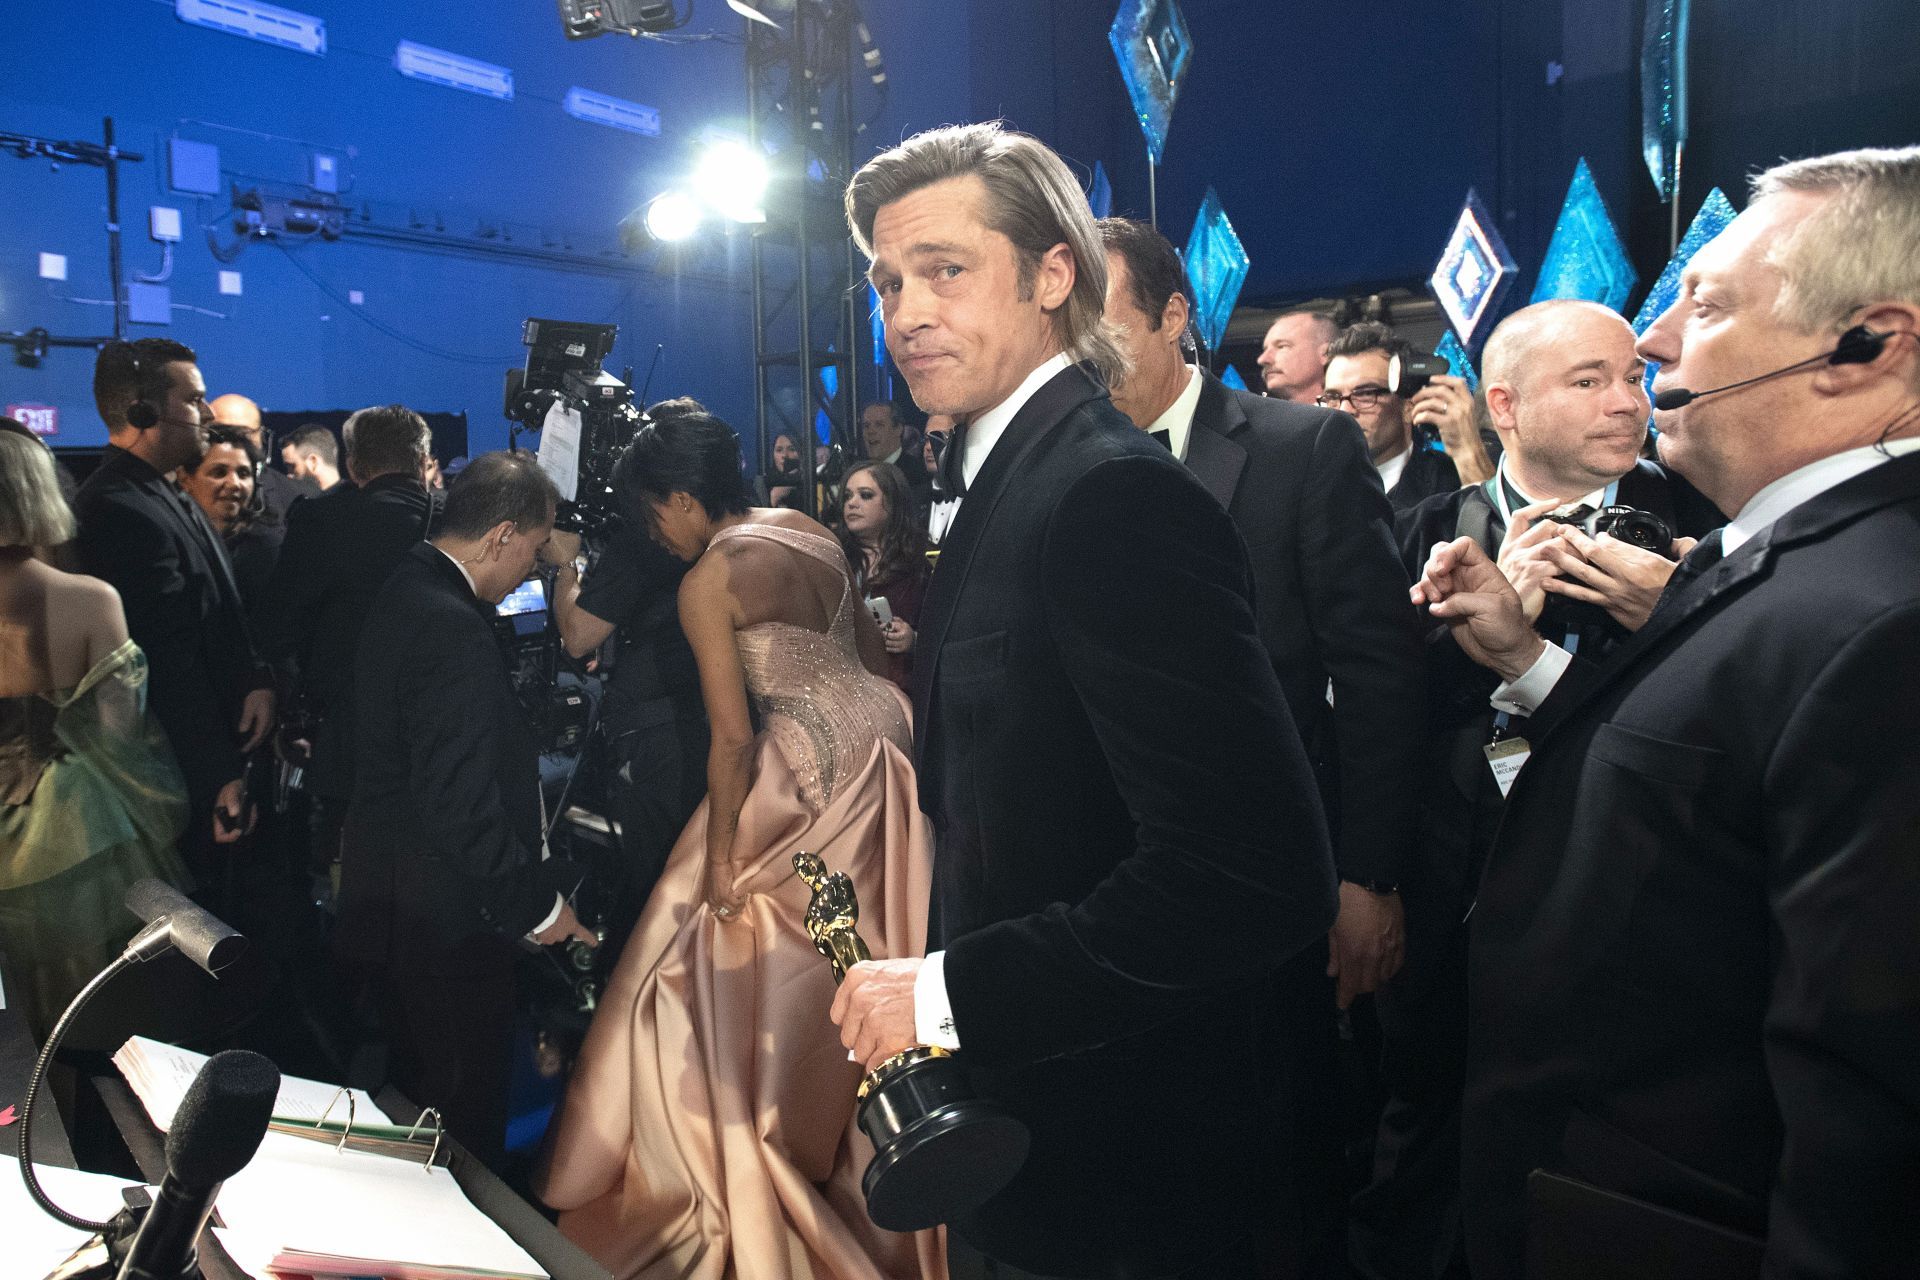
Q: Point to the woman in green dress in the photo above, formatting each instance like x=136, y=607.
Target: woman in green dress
x=90, y=797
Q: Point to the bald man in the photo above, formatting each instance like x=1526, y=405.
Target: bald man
x=1293, y=358
x=1566, y=392
x=278, y=491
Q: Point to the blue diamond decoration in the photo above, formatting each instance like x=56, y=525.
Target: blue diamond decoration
x=878, y=322
x=1663, y=91
x=1459, y=362
x=1474, y=271
x=1216, y=268
x=1100, y=194
x=1716, y=211
x=1231, y=377
x=1152, y=45
x=1585, y=258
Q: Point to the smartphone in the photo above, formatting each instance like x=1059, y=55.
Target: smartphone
x=882, y=611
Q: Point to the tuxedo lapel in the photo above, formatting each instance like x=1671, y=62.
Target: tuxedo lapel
x=1215, y=459
x=1059, y=396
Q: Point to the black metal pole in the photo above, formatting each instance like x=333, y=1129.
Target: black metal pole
x=113, y=232
x=799, y=85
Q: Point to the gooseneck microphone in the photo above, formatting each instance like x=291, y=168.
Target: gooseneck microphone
x=214, y=1134
x=1858, y=345
x=174, y=920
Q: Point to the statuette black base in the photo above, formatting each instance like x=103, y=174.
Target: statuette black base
x=939, y=1151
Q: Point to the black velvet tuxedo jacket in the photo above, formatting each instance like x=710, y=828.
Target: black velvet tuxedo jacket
x=441, y=853
x=340, y=547
x=183, y=606
x=1695, y=966
x=1330, y=600
x=1127, y=837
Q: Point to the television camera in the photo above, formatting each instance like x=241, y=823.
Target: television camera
x=563, y=374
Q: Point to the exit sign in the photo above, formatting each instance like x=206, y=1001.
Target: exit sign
x=41, y=419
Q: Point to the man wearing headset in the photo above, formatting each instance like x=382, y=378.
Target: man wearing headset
x=207, y=686
x=1694, y=973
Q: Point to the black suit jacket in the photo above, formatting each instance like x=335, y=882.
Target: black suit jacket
x=1696, y=955
x=1128, y=838
x=1330, y=600
x=441, y=853
x=339, y=548
x=140, y=533
x=1427, y=472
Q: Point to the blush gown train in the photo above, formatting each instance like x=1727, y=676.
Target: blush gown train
x=708, y=1131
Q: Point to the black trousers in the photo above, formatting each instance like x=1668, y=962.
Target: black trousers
x=450, y=1044
x=659, y=778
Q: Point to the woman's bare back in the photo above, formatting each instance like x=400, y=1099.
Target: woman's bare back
x=54, y=626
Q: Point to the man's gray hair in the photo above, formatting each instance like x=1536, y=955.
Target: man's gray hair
x=385, y=439
x=1032, y=200
x=1862, y=246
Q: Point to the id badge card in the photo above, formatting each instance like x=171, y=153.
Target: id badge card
x=1505, y=758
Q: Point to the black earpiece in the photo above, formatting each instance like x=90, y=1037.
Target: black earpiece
x=1859, y=345
x=141, y=415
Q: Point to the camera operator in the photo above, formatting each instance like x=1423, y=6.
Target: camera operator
x=1566, y=393
x=443, y=862
x=1357, y=380
x=652, y=716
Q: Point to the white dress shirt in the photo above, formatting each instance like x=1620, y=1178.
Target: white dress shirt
x=1524, y=695
x=932, y=1011
x=558, y=901
x=1391, y=470
x=1177, y=421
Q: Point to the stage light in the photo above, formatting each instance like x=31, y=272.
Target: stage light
x=672, y=216
x=731, y=178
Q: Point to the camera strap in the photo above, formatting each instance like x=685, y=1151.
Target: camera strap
x=1501, y=491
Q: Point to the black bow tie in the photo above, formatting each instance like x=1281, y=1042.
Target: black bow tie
x=1162, y=438
x=949, y=462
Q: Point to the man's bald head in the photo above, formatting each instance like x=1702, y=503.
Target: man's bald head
x=235, y=410
x=1518, y=342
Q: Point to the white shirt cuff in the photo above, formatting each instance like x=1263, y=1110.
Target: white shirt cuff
x=932, y=1013
x=1522, y=697
x=559, y=903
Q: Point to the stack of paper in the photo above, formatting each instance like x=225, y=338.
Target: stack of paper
x=160, y=1075
x=306, y=1208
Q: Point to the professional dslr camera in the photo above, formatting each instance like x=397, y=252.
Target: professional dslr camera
x=1630, y=525
x=563, y=370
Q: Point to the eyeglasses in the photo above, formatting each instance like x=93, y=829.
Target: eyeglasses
x=1360, y=397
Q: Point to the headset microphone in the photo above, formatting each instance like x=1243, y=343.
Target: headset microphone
x=1858, y=345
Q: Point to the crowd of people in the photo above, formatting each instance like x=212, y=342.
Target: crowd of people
x=1355, y=832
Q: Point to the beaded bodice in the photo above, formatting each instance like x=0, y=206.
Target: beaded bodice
x=822, y=707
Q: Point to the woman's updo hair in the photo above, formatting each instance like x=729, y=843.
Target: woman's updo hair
x=684, y=449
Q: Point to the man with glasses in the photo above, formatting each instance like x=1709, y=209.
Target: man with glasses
x=1356, y=381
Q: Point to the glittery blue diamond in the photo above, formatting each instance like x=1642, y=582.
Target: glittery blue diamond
x=1474, y=271
x=1585, y=258
x=1151, y=43
x=1100, y=194
x=1716, y=211
x=1458, y=361
x=1231, y=377
x=1216, y=268
x=1663, y=91
x=878, y=322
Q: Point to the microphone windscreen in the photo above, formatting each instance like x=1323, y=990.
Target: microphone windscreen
x=220, y=1122
x=1673, y=398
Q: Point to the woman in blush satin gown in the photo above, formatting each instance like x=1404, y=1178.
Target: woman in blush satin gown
x=708, y=1130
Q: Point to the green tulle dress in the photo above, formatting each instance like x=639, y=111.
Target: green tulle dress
x=90, y=801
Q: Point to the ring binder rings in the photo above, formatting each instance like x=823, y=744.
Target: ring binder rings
x=401, y=1142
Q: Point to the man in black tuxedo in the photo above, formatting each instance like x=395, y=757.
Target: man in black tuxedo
x=1128, y=839
x=443, y=863
x=207, y=687
x=340, y=547
x=1357, y=380
x=884, y=437
x=1566, y=391
x=1330, y=602
x=1695, y=975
